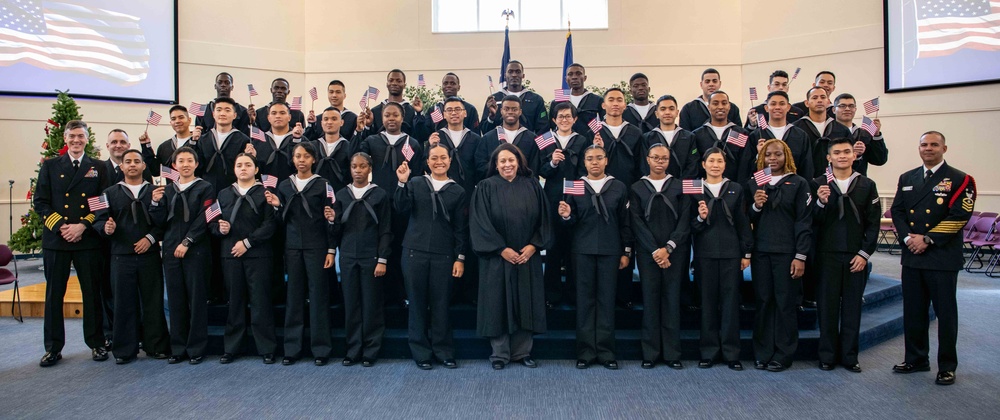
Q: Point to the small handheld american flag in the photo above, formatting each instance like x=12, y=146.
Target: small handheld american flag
x=871, y=106
x=762, y=176
x=197, y=109
x=98, y=203
x=544, y=140
x=561, y=95
x=296, y=104
x=736, y=138
x=691, y=186
x=796, y=74
x=762, y=122
x=501, y=134
x=253, y=92
x=420, y=80
x=313, y=93
x=490, y=79
x=269, y=181
x=153, y=118
x=595, y=125
x=436, y=115
x=868, y=125
x=169, y=173
x=256, y=134
x=573, y=187
x=753, y=94
x=829, y=175
x=213, y=211
x=330, y=194
x=371, y=95
x=407, y=151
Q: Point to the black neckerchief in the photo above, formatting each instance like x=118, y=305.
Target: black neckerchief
x=368, y=206
x=649, y=205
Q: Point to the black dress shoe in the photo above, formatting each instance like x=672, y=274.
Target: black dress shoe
x=227, y=358
x=776, y=367
x=648, y=364
x=856, y=368
x=498, y=365
x=610, y=364
x=945, y=378
x=108, y=344
x=582, y=364
x=910, y=368
x=348, y=361
x=173, y=360
x=759, y=365
x=50, y=359
x=825, y=366
x=424, y=365
x=449, y=363
x=527, y=361
x=705, y=363
x=124, y=360
x=158, y=356
x=99, y=354
x=809, y=303
x=321, y=361
x=366, y=362
x=288, y=361
x=269, y=359
x=196, y=360
x=735, y=365
x=675, y=364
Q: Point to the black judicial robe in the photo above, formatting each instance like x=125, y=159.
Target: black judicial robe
x=463, y=168
x=685, y=152
x=600, y=220
x=253, y=220
x=793, y=114
x=876, y=152
x=439, y=220
x=659, y=218
x=334, y=168
x=207, y=122
x=694, y=114
x=849, y=221
x=647, y=123
x=798, y=143
x=726, y=232
x=706, y=139
x=182, y=215
x=569, y=169
x=820, y=142
x=274, y=159
x=625, y=153
x=589, y=108
x=524, y=141
x=510, y=214
x=315, y=130
x=216, y=164
x=534, y=115
x=386, y=158
x=263, y=124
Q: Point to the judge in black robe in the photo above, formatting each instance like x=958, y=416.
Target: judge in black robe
x=510, y=224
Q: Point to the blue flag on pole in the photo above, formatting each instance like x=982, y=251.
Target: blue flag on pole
x=567, y=57
x=505, y=59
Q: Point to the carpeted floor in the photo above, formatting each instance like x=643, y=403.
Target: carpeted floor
x=81, y=388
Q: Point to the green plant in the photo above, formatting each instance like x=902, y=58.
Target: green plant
x=623, y=85
x=427, y=95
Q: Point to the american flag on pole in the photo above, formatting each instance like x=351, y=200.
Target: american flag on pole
x=490, y=78
x=561, y=95
x=296, y=104
x=98, y=203
x=153, y=118
x=253, y=92
x=169, y=173
x=313, y=93
x=595, y=125
x=829, y=175
x=762, y=176
x=945, y=27
x=420, y=80
x=544, y=140
x=753, y=94
x=68, y=37
x=737, y=138
x=407, y=151
x=573, y=187
x=691, y=186
x=436, y=115
x=796, y=74
x=868, y=125
x=330, y=194
x=501, y=134
x=762, y=122
x=269, y=181
x=371, y=95
x=256, y=134
x=871, y=106
x=197, y=109
x=213, y=211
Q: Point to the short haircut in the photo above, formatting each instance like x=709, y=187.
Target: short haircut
x=844, y=96
x=177, y=108
x=396, y=71
x=136, y=151
x=826, y=72
x=284, y=104
x=280, y=79
x=711, y=151
x=614, y=89
x=710, y=71
x=186, y=149
x=451, y=99
x=665, y=98
x=453, y=74
x=776, y=73
x=225, y=100
x=394, y=104
x=225, y=74
x=637, y=76
x=838, y=140
x=777, y=93
x=943, y=140
x=511, y=98
x=73, y=125
x=336, y=83
x=118, y=130
x=578, y=65
x=561, y=106
x=717, y=93
x=810, y=91
x=330, y=108
x=522, y=162
x=514, y=62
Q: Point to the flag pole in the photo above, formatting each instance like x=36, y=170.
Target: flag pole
x=879, y=107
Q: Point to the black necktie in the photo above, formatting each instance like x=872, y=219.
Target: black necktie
x=76, y=165
x=928, y=174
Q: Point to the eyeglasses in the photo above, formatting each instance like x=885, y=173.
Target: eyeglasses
x=847, y=106
x=594, y=158
x=453, y=110
x=564, y=117
x=659, y=159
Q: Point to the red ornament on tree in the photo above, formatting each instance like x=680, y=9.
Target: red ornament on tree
x=63, y=150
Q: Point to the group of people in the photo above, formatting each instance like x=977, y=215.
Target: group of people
x=423, y=203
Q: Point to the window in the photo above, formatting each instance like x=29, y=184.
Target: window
x=529, y=15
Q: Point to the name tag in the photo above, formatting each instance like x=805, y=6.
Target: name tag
x=908, y=188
